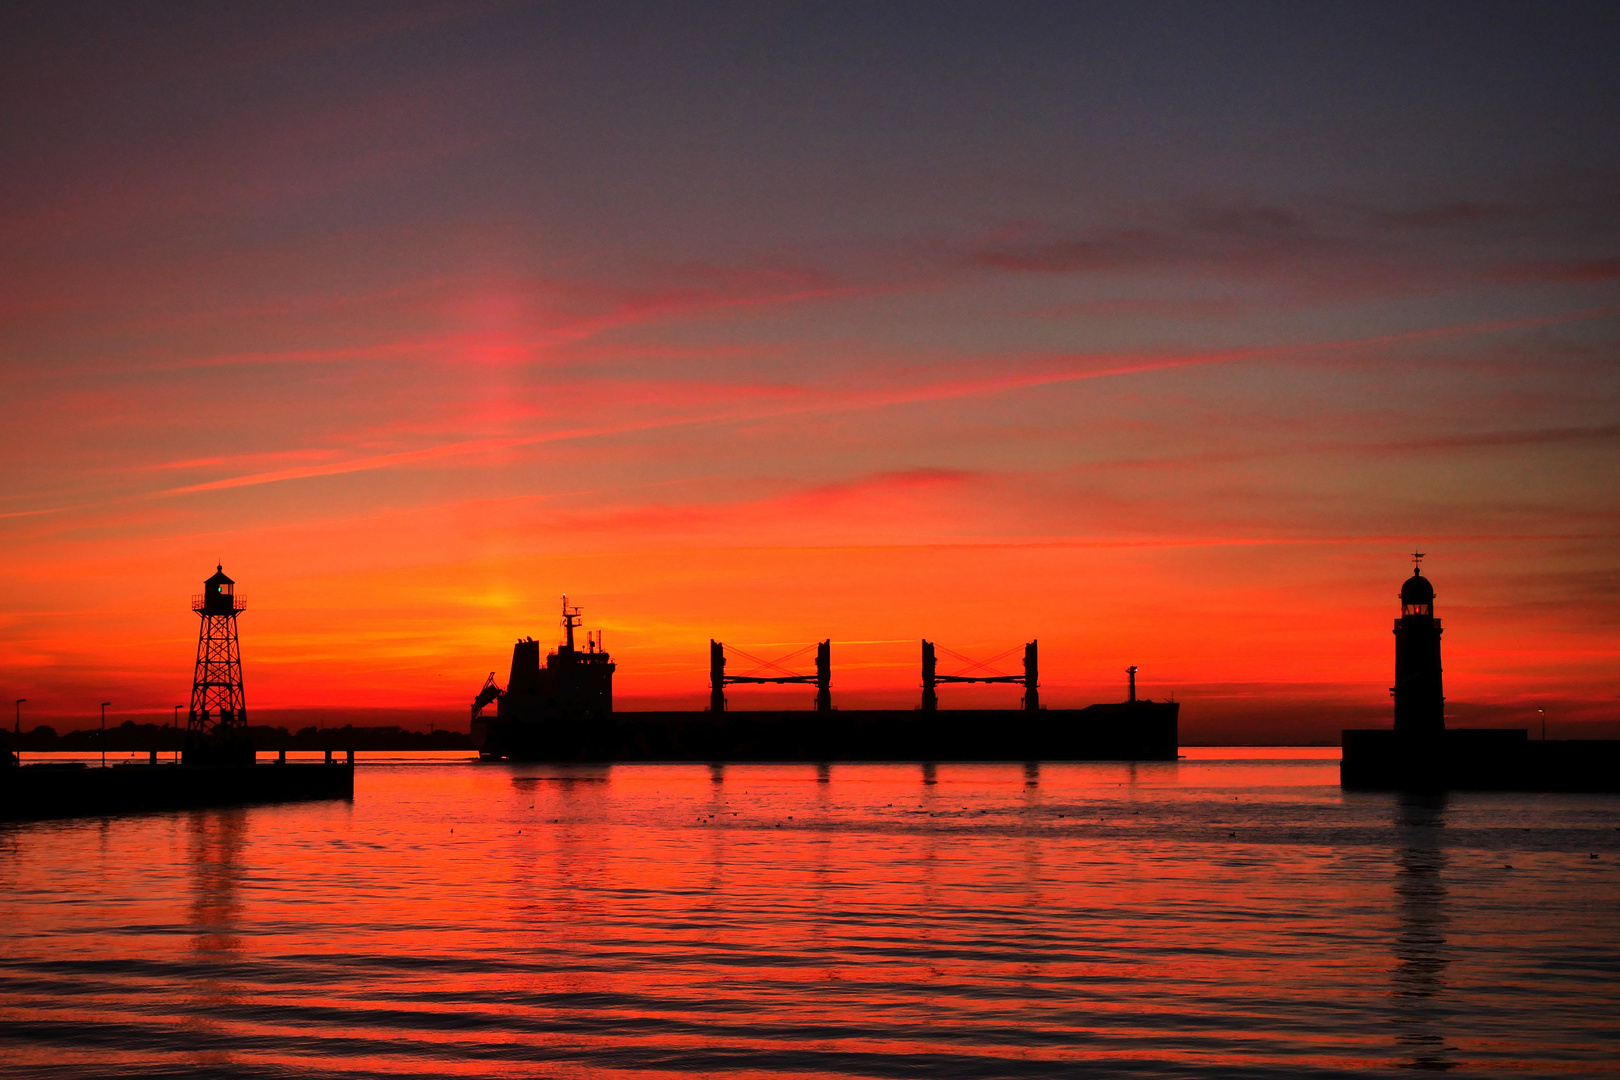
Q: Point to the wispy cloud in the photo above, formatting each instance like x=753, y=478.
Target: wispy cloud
x=1230, y=240
x=1320, y=254
x=675, y=403
x=1576, y=271
x=1143, y=307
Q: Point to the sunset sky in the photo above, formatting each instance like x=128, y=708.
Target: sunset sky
x=1160, y=333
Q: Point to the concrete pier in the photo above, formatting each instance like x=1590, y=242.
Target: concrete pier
x=58, y=790
x=1477, y=759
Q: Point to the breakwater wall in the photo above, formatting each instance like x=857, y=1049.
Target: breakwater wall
x=1479, y=759
x=65, y=790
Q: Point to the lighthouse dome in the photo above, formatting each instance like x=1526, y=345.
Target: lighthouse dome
x=1417, y=595
x=1417, y=590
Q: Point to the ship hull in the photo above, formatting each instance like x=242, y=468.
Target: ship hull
x=1139, y=731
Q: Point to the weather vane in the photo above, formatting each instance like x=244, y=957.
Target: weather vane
x=1417, y=562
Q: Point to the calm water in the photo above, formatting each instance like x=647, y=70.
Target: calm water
x=1216, y=917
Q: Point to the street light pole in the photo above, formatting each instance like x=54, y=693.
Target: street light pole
x=104, y=705
x=18, y=730
x=1543, y=713
x=177, y=709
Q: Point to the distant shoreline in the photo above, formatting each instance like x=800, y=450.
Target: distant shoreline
x=130, y=736
x=137, y=737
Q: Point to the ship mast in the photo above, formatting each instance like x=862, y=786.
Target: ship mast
x=571, y=619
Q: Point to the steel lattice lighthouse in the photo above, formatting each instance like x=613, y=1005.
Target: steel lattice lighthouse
x=219, y=766
x=217, y=721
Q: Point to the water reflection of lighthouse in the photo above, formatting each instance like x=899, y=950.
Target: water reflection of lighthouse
x=1418, y=979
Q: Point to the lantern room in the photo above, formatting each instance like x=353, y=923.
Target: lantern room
x=1417, y=595
x=218, y=596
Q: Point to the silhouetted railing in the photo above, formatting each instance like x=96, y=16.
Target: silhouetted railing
x=199, y=601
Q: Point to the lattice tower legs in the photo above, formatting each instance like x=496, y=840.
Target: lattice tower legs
x=217, y=703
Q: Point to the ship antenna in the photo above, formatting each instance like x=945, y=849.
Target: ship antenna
x=571, y=619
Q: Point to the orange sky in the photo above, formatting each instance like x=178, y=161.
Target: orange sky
x=418, y=324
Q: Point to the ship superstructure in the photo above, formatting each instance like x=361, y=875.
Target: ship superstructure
x=567, y=701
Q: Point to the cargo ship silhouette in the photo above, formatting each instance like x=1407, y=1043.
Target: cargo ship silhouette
x=562, y=710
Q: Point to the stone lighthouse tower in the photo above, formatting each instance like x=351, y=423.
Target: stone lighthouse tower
x=1420, y=703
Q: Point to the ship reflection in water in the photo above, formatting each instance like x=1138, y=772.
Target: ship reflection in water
x=1222, y=916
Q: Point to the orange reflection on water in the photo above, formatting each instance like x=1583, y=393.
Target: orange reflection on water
x=1232, y=913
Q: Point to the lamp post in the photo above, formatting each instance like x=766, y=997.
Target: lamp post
x=104, y=705
x=18, y=729
x=1543, y=713
x=177, y=709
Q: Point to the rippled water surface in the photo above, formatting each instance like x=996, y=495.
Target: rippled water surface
x=1234, y=914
